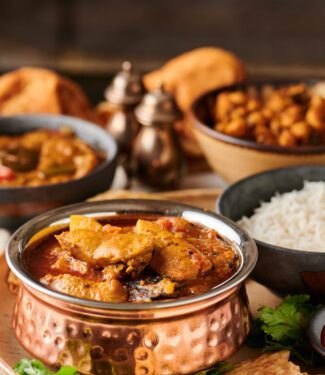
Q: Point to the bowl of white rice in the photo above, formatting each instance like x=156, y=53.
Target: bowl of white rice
x=284, y=211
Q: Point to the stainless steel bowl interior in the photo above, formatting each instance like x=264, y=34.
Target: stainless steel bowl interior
x=225, y=227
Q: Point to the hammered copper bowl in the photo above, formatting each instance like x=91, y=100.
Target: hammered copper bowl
x=179, y=336
x=19, y=204
x=236, y=158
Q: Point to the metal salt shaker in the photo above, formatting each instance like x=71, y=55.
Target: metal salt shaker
x=123, y=94
x=158, y=158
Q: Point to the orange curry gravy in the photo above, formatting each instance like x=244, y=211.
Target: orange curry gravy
x=131, y=258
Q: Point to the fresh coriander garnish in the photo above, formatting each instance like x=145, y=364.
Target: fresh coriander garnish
x=35, y=367
x=285, y=328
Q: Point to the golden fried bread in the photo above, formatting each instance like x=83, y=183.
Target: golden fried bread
x=37, y=90
x=267, y=364
x=190, y=75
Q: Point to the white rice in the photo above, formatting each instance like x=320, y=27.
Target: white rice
x=295, y=220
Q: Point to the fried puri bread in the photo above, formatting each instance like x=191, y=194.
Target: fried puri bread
x=268, y=364
x=190, y=75
x=37, y=90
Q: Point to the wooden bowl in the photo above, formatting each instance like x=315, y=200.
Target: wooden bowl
x=235, y=158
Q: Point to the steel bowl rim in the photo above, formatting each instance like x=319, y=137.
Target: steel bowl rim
x=14, y=249
x=110, y=159
x=207, y=130
x=252, y=177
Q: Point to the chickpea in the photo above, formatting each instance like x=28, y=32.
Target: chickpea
x=317, y=101
x=276, y=102
x=291, y=115
x=300, y=130
x=296, y=90
x=287, y=139
x=255, y=118
x=267, y=113
x=237, y=97
x=239, y=112
x=221, y=126
x=253, y=105
x=237, y=128
x=223, y=106
x=275, y=126
x=314, y=119
x=263, y=135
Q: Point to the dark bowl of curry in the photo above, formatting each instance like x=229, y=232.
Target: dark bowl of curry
x=134, y=285
x=47, y=161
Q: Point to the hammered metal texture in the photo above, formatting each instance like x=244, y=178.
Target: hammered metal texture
x=188, y=339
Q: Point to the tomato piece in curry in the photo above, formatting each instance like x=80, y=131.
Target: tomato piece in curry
x=131, y=258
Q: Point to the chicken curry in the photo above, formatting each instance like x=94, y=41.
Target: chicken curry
x=44, y=157
x=131, y=258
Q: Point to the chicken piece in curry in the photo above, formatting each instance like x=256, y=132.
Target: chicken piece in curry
x=131, y=258
x=44, y=157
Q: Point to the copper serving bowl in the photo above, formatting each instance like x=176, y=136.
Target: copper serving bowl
x=178, y=336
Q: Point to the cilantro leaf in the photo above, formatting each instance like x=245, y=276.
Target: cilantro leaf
x=35, y=367
x=285, y=328
x=67, y=370
x=31, y=367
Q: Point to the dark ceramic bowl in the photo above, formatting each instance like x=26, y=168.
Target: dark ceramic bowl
x=235, y=158
x=284, y=270
x=315, y=328
x=18, y=204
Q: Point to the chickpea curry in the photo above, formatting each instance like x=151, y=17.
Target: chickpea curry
x=288, y=116
x=131, y=258
x=44, y=157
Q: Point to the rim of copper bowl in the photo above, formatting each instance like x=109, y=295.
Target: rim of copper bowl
x=208, y=130
x=109, y=160
x=19, y=240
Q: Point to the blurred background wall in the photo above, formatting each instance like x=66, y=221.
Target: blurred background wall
x=88, y=39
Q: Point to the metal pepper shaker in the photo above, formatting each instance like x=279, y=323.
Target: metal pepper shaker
x=157, y=155
x=123, y=94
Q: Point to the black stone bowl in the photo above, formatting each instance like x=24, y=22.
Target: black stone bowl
x=19, y=204
x=284, y=270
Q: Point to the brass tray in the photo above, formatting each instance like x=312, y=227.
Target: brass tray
x=11, y=351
